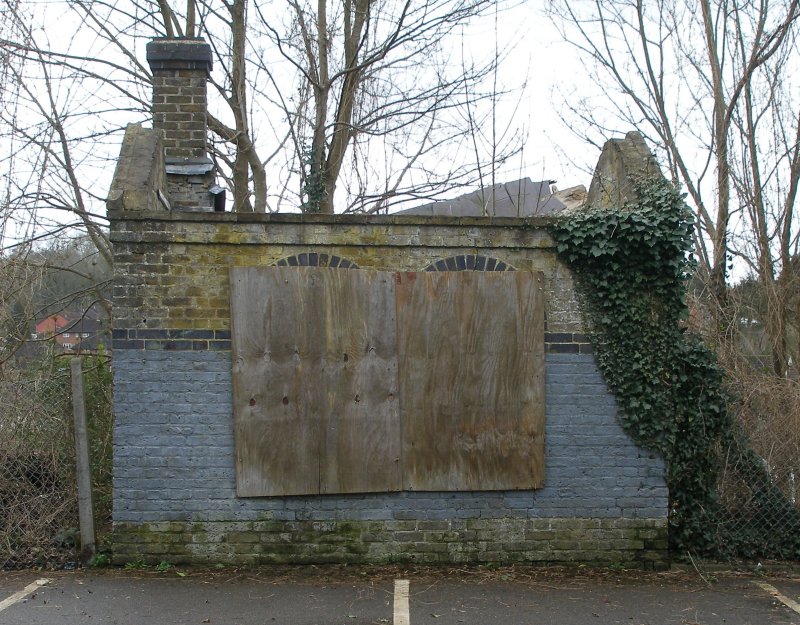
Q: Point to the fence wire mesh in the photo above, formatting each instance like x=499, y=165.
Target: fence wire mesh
x=760, y=470
x=38, y=493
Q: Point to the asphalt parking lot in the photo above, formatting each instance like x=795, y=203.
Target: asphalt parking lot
x=371, y=595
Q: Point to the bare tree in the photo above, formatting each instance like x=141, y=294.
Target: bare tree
x=58, y=127
x=711, y=84
x=376, y=95
x=355, y=103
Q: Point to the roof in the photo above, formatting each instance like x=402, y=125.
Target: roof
x=521, y=198
x=90, y=320
x=52, y=324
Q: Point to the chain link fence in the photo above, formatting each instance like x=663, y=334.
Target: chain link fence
x=38, y=493
x=759, y=482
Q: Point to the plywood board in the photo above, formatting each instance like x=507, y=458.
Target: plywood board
x=356, y=384
x=315, y=381
x=471, y=358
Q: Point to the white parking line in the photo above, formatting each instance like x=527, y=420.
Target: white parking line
x=401, y=615
x=789, y=603
x=20, y=595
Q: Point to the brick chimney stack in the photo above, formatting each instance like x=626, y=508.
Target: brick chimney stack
x=181, y=68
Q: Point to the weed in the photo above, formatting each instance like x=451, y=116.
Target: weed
x=136, y=564
x=100, y=559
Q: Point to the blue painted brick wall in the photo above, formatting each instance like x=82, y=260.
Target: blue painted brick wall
x=174, y=454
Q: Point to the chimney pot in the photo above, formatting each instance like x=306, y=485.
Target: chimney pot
x=189, y=54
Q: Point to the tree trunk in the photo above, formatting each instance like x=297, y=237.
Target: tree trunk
x=238, y=104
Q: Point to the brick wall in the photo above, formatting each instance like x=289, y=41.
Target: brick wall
x=174, y=486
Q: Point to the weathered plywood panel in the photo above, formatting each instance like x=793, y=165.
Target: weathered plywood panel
x=277, y=439
x=471, y=358
x=356, y=384
x=315, y=377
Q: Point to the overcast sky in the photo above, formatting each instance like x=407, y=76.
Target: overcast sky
x=537, y=59
x=552, y=70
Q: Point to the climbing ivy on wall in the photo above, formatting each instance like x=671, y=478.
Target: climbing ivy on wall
x=632, y=265
x=313, y=187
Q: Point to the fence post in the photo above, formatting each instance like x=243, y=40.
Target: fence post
x=85, y=509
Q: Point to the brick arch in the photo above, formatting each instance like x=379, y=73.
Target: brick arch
x=313, y=259
x=470, y=262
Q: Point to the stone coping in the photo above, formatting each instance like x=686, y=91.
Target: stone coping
x=539, y=222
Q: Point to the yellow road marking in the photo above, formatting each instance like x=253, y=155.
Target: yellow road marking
x=401, y=615
x=20, y=595
x=789, y=603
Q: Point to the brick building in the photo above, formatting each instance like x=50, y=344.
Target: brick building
x=198, y=400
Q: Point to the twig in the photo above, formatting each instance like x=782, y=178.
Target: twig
x=703, y=577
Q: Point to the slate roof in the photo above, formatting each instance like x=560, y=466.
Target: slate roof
x=521, y=198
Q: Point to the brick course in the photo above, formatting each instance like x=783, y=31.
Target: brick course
x=173, y=414
x=638, y=542
x=172, y=268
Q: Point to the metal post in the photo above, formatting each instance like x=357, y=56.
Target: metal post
x=85, y=509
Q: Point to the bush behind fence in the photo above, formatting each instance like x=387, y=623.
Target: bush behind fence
x=38, y=493
x=759, y=482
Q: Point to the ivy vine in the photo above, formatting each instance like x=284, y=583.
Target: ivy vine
x=632, y=265
x=312, y=191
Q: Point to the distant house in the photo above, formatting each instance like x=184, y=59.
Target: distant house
x=49, y=327
x=521, y=198
x=73, y=331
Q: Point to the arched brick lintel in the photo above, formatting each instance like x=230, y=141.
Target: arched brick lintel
x=469, y=262
x=313, y=259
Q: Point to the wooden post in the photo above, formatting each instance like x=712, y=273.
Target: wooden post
x=85, y=509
